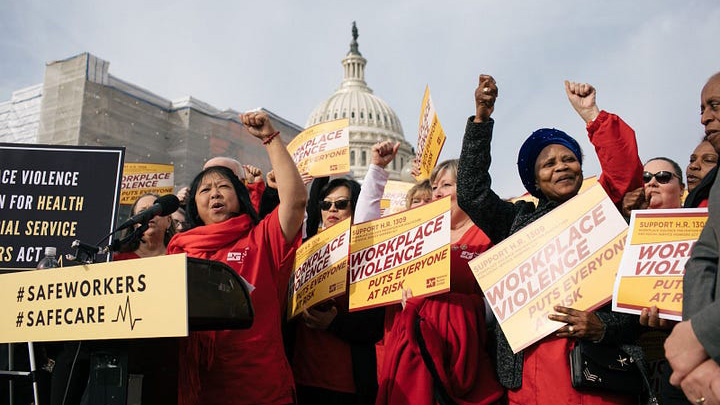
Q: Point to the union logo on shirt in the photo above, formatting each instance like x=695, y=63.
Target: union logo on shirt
x=468, y=255
x=238, y=256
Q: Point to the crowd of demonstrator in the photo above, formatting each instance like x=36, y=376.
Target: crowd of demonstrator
x=446, y=348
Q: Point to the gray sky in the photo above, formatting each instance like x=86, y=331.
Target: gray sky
x=648, y=59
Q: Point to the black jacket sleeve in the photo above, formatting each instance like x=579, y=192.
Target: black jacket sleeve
x=488, y=211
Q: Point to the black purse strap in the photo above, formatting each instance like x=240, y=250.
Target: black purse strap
x=440, y=393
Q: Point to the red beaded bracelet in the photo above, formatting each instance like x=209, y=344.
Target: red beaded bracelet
x=270, y=138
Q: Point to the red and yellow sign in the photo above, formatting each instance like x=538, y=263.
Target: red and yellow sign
x=141, y=178
x=410, y=249
x=653, y=265
x=568, y=257
x=320, y=268
x=128, y=299
x=394, y=197
x=431, y=137
x=323, y=149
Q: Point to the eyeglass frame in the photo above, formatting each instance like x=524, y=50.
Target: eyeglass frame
x=647, y=176
x=338, y=204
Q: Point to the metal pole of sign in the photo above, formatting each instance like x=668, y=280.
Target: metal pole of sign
x=12, y=373
x=33, y=374
x=11, y=366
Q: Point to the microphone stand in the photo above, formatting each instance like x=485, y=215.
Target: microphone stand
x=85, y=253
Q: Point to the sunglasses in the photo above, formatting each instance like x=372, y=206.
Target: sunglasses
x=339, y=204
x=662, y=177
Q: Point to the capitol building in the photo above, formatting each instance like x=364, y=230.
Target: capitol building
x=371, y=118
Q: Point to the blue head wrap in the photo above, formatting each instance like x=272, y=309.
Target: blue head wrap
x=532, y=147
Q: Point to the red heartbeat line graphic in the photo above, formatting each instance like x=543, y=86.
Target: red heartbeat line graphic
x=127, y=311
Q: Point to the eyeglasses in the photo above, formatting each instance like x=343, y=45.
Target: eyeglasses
x=180, y=225
x=339, y=204
x=662, y=177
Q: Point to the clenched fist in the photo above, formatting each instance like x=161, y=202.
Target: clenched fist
x=384, y=152
x=485, y=96
x=582, y=98
x=258, y=124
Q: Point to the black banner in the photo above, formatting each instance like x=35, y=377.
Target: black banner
x=53, y=195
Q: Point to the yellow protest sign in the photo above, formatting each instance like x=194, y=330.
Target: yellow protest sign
x=323, y=149
x=431, y=137
x=127, y=299
x=320, y=269
x=141, y=178
x=393, y=198
x=410, y=249
x=653, y=264
x=568, y=257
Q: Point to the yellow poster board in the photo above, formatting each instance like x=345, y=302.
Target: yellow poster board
x=410, y=249
x=431, y=137
x=653, y=264
x=128, y=299
x=323, y=149
x=141, y=178
x=394, y=197
x=320, y=269
x=568, y=257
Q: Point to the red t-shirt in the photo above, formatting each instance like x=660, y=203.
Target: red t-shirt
x=247, y=366
x=125, y=256
x=322, y=359
x=471, y=244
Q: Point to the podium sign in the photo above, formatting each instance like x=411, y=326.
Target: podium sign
x=129, y=299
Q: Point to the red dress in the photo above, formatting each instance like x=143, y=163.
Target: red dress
x=454, y=331
x=242, y=366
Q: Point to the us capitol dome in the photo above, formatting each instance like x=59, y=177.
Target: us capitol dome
x=371, y=119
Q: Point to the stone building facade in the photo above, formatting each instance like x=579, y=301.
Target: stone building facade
x=81, y=103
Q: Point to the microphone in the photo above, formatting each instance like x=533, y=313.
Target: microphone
x=164, y=205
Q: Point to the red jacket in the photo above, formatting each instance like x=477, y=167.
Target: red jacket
x=453, y=328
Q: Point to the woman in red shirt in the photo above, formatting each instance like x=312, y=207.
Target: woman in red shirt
x=452, y=324
x=243, y=366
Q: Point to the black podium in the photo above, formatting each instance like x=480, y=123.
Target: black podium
x=133, y=371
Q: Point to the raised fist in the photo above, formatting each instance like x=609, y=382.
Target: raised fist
x=182, y=195
x=485, y=96
x=252, y=173
x=384, y=152
x=271, y=180
x=582, y=98
x=634, y=200
x=258, y=124
x=307, y=178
